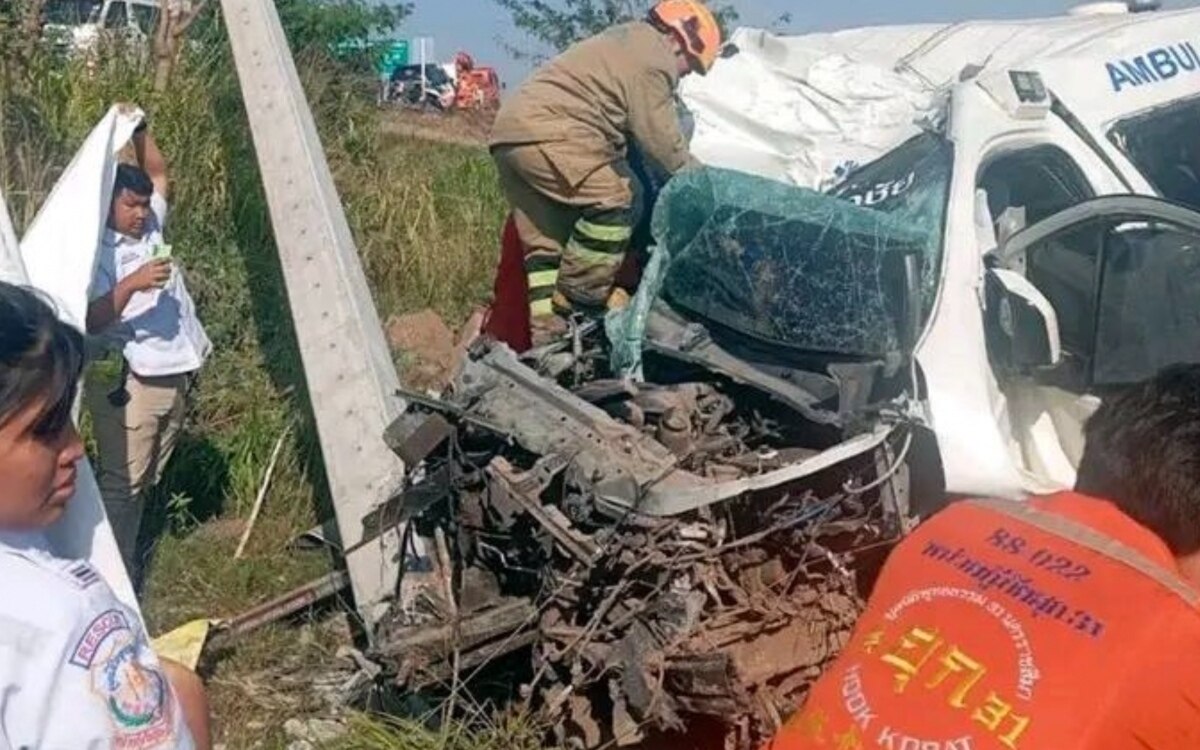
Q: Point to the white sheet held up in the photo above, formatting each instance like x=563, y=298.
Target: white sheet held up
x=58, y=256
x=12, y=269
x=59, y=248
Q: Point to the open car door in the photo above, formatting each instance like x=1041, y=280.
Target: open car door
x=1096, y=297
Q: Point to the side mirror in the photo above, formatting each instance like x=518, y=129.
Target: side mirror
x=1020, y=323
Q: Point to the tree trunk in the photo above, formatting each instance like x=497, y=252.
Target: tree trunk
x=31, y=26
x=170, y=35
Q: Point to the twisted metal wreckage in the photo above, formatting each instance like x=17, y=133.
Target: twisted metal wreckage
x=638, y=553
x=678, y=512
x=690, y=545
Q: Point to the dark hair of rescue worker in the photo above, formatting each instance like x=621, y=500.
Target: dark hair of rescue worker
x=40, y=362
x=134, y=179
x=1143, y=454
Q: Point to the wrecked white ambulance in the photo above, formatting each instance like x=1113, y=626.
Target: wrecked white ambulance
x=666, y=523
x=1064, y=155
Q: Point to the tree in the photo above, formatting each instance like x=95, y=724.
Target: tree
x=175, y=17
x=327, y=23
x=558, y=24
x=309, y=24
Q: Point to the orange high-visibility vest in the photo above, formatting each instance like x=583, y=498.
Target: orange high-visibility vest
x=1057, y=624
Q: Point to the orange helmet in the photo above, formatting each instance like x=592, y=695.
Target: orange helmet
x=694, y=26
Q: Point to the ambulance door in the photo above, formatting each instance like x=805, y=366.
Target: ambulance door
x=1001, y=432
x=1024, y=179
x=1133, y=311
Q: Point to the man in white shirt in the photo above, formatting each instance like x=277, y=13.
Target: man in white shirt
x=140, y=302
x=76, y=667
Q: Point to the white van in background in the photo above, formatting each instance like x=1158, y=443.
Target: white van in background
x=1056, y=165
x=79, y=25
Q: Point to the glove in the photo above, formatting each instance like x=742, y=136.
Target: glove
x=619, y=299
x=562, y=305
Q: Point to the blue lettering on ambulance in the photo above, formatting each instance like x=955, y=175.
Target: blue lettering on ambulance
x=1163, y=65
x=1157, y=65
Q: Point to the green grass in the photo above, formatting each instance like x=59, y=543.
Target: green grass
x=426, y=218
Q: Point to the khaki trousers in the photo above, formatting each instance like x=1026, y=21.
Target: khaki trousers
x=575, y=236
x=135, y=442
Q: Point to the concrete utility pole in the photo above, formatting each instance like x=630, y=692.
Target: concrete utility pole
x=351, y=379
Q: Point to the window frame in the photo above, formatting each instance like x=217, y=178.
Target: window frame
x=150, y=11
x=110, y=10
x=1110, y=210
x=1031, y=151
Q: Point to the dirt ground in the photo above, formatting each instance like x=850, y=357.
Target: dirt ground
x=427, y=350
x=466, y=128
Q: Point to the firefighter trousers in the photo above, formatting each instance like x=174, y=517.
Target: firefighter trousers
x=575, y=236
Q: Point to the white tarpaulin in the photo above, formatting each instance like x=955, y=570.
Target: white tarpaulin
x=59, y=248
x=59, y=254
x=11, y=268
x=802, y=110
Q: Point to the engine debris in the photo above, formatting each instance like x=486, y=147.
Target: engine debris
x=690, y=549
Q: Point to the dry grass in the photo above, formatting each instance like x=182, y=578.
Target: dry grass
x=507, y=732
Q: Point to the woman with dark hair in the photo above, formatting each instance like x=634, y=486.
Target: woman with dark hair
x=76, y=668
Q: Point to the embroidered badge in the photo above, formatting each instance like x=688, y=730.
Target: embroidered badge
x=137, y=696
x=97, y=632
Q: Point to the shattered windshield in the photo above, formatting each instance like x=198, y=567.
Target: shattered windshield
x=789, y=266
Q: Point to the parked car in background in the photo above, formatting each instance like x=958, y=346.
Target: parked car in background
x=77, y=26
x=421, y=87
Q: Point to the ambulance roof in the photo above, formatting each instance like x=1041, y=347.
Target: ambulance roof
x=937, y=53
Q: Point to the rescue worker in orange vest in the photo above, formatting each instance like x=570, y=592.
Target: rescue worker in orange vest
x=1069, y=622
x=561, y=146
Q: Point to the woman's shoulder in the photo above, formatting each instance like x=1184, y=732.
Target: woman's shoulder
x=44, y=590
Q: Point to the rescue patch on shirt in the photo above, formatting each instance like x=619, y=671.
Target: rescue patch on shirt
x=97, y=632
x=137, y=697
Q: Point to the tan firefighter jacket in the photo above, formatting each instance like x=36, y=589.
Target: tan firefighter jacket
x=585, y=106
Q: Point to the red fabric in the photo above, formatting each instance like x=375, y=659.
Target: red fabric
x=508, y=319
x=629, y=274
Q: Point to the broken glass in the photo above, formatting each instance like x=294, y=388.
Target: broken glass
x=789, y=266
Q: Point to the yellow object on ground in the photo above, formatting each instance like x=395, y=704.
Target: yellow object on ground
x=184, y=644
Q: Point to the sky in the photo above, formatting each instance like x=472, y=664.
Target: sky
x=482, y=28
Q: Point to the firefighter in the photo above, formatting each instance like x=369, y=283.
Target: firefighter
x=561, y=145
x=1068, y=622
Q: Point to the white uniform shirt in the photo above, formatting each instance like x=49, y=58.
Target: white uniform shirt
x=159, y=329
x=76, y=668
